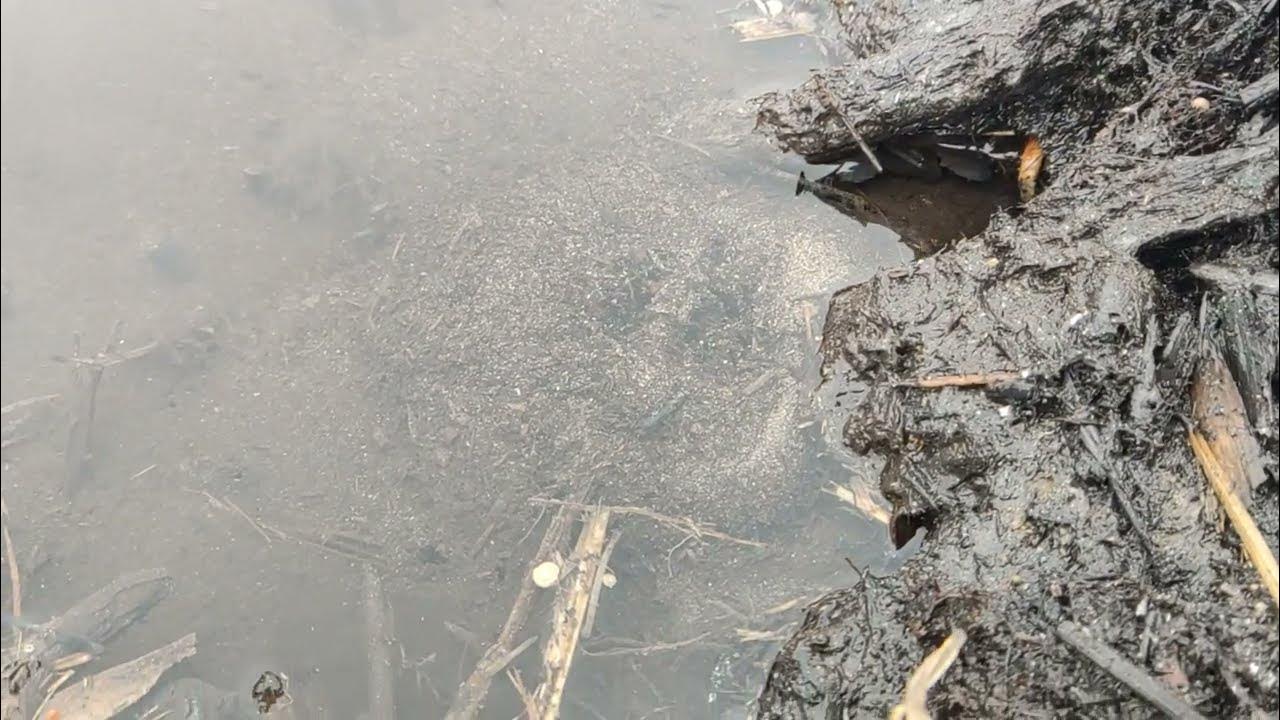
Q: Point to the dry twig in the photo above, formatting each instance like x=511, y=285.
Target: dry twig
x=861, y=499
x=28, y=401
x=962, y=381
x=10, y=558
x=914, y=705
x=596, y=584
x=472, y=692
x=526, y=698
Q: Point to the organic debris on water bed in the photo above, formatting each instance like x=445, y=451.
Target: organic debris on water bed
x=107, y=693
x=1022, y=389
x=40, y=662
x=774, y=20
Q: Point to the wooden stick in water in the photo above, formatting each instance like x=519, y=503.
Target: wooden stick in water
x=471, y=694
x=961, y=381
x=382, y=700
x=570, y=614
x=11, y=559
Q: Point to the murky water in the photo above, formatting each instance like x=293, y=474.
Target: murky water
x=407, y=268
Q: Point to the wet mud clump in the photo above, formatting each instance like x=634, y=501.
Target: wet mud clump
x=1072, y=406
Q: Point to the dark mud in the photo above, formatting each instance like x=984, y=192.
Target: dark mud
x=1058, y=491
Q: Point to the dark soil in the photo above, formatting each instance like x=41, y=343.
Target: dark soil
x=1067, y=493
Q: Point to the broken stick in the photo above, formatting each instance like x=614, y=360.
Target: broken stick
x=570, y=615
x=472, y=692
x=848, y=125
x=1220, y=416
x=915, y=696
x=1130, y=675
x=1255, y=546
x=1229, y=455
x=378, y=622
x=963, y=380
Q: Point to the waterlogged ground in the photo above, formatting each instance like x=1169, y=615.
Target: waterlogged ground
x=406, y=269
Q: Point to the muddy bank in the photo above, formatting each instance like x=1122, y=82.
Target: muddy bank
x=1025, y=394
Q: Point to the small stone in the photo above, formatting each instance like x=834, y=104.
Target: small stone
x=1200, y=104
x=546, y=574
x=609, y=579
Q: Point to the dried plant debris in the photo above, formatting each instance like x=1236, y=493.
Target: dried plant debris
x=1021, y=390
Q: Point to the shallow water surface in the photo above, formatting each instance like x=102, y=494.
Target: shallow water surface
x=407, y=269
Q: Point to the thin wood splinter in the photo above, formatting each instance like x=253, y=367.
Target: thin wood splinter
x=962, y=380
x=570, y=616
x=914, y=705
x=11, y=559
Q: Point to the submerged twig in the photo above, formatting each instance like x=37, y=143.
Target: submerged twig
x=473, y=690
x=378, y=623
x=18, y=405
x=750, y=635
x=526, y=698
x=225, y=503
x=1130, y=675
x=963, y=380
x=914, y=705
x=645, y=649
x=683, y=524
x=11, y=559
x=570, y=615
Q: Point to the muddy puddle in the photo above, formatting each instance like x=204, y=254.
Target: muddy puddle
x=319, y=307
